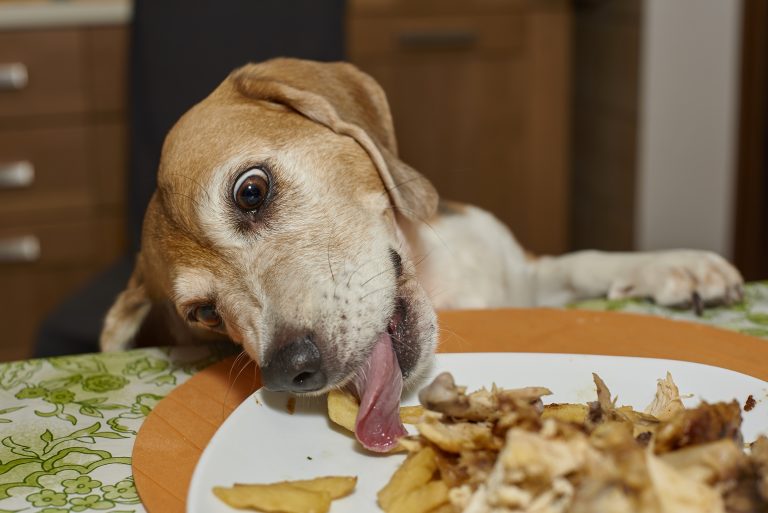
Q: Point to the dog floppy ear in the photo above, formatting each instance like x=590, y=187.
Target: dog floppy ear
x=349, y=102
x=127, y=314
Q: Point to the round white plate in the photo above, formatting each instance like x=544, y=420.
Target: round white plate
x=262, y=442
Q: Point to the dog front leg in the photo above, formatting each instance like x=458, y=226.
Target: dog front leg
x=670, y=278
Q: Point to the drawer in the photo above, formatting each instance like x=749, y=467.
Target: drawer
x=76, y=242
x=50, y=169
x=106, y=54
x=51, y=61
x=44, y=169
x=430, y=7
x=384, y=36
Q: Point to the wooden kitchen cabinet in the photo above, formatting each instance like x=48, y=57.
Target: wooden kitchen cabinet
x=62, y=169
x=479, y=92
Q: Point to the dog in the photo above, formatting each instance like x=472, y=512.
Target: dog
x=284, y=221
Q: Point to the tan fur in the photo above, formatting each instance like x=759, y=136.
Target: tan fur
x=318, y=260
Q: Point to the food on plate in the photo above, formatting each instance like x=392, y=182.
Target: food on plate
x=498, y=451
x=302, y=496
x=416, y=471
x=343, y=410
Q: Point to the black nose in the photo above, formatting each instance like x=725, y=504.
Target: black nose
x=294, y=367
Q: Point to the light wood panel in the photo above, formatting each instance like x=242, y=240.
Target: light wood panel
x=480, y=101
x=606, y=53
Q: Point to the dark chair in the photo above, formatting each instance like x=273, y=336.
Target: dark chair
x=180, y=51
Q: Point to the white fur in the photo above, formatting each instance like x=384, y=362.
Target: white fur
x=471, y=260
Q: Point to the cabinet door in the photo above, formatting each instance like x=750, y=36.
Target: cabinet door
x=480, y=108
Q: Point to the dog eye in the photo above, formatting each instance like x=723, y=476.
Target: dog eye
x=251, y=189
x=206, y=315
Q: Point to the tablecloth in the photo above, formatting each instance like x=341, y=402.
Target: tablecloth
x=67, y=424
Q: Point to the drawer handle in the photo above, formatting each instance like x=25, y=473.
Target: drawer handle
x=438, y=39
x=17, y=250
x=13, y=76
x=15, y=175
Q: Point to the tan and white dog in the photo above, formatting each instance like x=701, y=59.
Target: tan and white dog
x=284, y=221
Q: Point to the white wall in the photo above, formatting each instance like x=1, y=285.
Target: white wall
x=688, y=119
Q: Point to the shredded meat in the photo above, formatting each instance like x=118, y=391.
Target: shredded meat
x=443, y=396
x=759, y=459
x=503, y=451
x=706, y=423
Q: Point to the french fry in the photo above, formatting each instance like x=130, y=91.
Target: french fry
x=566, y=412
x=335, y=486
x=444, y=508
x=277, y=497
x=411, y=414
x=342, y=410
x=416, y=471
x=422, y=499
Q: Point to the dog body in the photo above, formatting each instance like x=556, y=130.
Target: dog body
x=471, y=260
x=284, y=221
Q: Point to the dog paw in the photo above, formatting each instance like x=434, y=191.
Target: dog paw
x=681, y=279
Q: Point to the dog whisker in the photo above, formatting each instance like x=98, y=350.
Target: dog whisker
x=422, y=259
x=191, y=199
x=374, y=277
x=388, y=190
x=424, y=221
x=374, y=291
x=328, y=251
x=441, y=329
x=230, y=381
x=349, y=281
x=194, y=181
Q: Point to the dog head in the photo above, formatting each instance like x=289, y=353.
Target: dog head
x=276, y=223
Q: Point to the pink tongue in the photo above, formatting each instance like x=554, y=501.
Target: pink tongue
x=378, y=425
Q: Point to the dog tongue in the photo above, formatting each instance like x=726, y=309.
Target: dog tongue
x=378, y=425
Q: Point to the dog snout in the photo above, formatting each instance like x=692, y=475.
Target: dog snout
x=295, y=367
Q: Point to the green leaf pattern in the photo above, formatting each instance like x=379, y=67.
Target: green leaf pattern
x=749, y=317
x=68, y=424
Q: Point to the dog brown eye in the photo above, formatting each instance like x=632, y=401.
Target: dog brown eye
x=207, y=315
x=251, y=189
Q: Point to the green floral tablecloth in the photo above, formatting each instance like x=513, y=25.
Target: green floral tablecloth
x=67, y=425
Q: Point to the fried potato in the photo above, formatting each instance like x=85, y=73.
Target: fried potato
x=422, y=499
x=566, y=412
x=416, y=471
x=444, y=508
x=411, y=414
x=301, y=496
x=342, y=410
x=277, y=497
x=335, y=486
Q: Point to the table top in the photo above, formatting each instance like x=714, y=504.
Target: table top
x=68, y=424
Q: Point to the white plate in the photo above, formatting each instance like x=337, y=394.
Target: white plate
x=262, y=442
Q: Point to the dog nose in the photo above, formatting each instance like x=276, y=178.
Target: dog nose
x=295, y=367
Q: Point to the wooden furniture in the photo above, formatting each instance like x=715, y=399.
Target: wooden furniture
x=605, y=99
x=62, y=168
x=177, y=431
x=751, y=220
x=480, y=97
